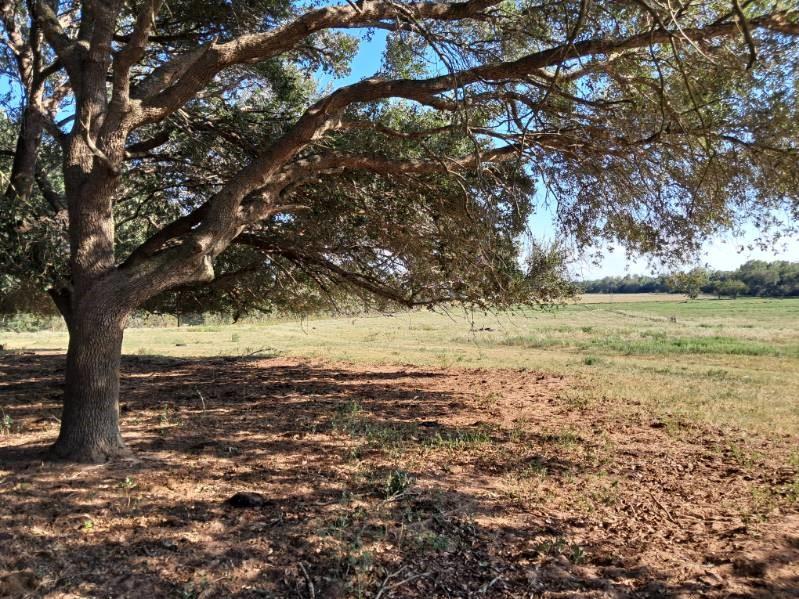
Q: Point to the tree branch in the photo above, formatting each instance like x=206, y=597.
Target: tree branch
x=360, y=280
x=63, y=46
x=178, y=81
x=132, y=53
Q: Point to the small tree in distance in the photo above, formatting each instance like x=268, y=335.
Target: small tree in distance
x=193, y=148
x=690, y=283
x=731, y=288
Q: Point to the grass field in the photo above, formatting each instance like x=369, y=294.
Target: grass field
x=645, y=448
x=731, y=362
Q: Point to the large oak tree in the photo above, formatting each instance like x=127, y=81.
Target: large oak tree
x=152, y=148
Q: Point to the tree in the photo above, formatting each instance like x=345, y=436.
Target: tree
x=732, y=288
x=770, y=279
x=690, y=283
x=157, y=150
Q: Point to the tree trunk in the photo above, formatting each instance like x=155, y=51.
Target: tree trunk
x=90, y=418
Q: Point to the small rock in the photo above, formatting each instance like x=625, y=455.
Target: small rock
x=246, y=500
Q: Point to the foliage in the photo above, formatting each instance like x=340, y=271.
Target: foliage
x=765, y=279
x=625, y=284
x=6, y=423
x=755, y=277
x=689, y=283
x=397, y=482
x=731, y=287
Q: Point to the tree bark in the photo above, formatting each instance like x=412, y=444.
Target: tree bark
x=90, y=419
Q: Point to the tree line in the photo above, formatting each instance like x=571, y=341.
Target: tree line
x=753, y=278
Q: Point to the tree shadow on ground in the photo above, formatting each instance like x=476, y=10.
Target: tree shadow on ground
x=378, y=482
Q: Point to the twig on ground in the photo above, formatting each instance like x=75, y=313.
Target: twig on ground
x=257, y=351
x=384, y=588
x=402, y=495
x=202, y=399
x=252, y=353
x=488, y=585
x=663, y=507
x=311, y=591
x=386, y=579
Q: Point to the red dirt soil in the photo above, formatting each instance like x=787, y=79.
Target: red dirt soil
x=385, y=482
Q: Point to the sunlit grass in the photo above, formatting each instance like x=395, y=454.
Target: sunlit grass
x=723, y=361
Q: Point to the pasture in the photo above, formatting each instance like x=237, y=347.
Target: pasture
x=721, y=361
x=623, y=448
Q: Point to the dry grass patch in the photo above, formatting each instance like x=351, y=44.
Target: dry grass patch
x=387, y=481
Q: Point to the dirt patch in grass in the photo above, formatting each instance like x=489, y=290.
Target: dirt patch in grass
x=385, y=482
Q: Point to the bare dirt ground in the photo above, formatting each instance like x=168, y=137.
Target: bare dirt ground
x=386, y=482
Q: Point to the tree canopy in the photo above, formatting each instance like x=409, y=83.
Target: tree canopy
x=206, y=123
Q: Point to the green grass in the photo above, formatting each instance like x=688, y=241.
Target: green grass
x=722, y=361
x=657, y=343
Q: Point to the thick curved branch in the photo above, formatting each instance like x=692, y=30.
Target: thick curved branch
x=176, y=228
x=61, y=43
x=173, y=84
x=146, y=145
x=177, y=82
x=56, y=200
x=132, y=53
